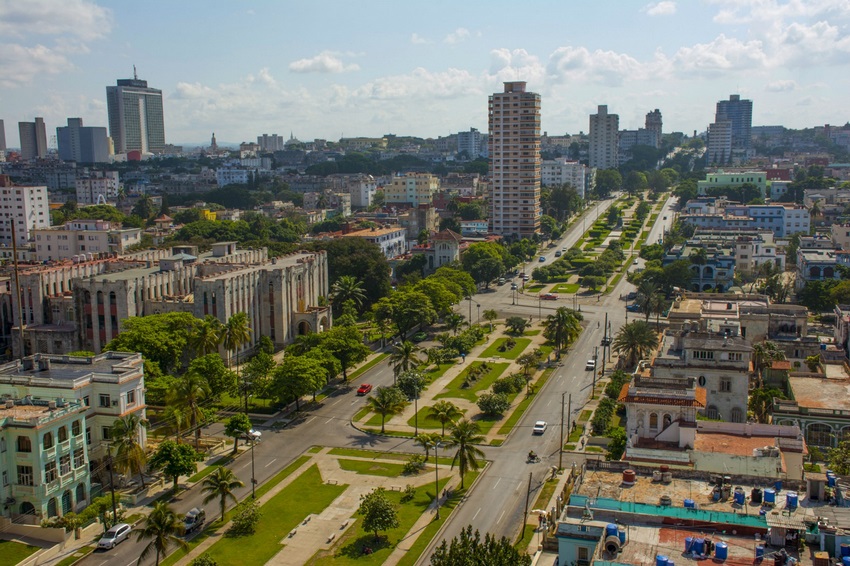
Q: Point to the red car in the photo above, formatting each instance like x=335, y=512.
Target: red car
x=364, y=389
x=549, y=296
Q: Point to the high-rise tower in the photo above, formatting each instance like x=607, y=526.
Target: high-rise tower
x=653, y=124
x=33, y=139
x=514, y=148
x=135, y=116
x=740, y=114
x=604, y=131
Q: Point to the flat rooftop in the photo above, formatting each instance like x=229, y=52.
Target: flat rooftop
x=820, y=393
x=68, y=368
x=738, y=445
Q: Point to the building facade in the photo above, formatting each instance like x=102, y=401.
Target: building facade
x=82, y=144
x=604, y=139
x=33, y=139
x=231, y=176
x=270, y=143
x=412, y=189
x=100, y=187
x=654, y=123
x=392, y=241
x=739, y=114
x=562, y=171
x=473, y=142
x=136, y=119
x=27, y=207
x=514, y=147
x=719, y=143
x=86, y=238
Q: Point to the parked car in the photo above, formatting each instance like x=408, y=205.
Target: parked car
x=635, y=262
x=114, y=536
x=539, y=427
x=525, y=277
x=420, y=336
x=633, y=308
x=502, y=280
x=194, y=520
x=558, y=253
x=631, y=296
x=549, y=296
x=364, y=389
x=541, y=259
x=590, y=365
x=513, y=286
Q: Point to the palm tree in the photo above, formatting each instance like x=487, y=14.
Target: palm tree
x=207, y=336
x=444, y=412
x=163, y=527
x=765, y=353
x=405, y=356
x=347, y=288
x=188, y=393
x=220, y=484
x=130, y=455
x=563, y=327
x=645, y=293
x=634, y=341
x=428, y=440
x=236, y=333
x=658, y=303
x=175, y=418
x=387, y=402
x=454, y=321
x=490, y=315
x=464, y=435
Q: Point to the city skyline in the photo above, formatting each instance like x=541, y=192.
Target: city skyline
x=244, y=69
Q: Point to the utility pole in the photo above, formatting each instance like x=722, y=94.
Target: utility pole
x=561, y=447
x=595, y=365
x=111, y=480
x=527, y=497
x=604, y=342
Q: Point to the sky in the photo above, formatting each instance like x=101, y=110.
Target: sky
x=327, y=69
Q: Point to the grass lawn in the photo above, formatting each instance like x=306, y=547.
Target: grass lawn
x=255, y=404
x=424, y=422
x=470, y=393
x=585, y=416
x=367, y=366
x=361, y=414
x=576, y=434
x=305, y=495
x=492, y=351
x=485, y=422
x=593, y=449
x=13, y=552
x=210, y=469
x=569, y=288
x=437, y=371
x=531, y=333
x=77, y=556
x=314, y=450
x=569, y=447
x=374, y=454
x=614, y=281
x=534, y=288
x=524, y=538
x=372, y=468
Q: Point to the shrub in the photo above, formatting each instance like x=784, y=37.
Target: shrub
x=204, y=560
x=245, y=518
x=414, y=465
x=507, y=345
x=618, y=378
x=494, y=404
x=409, y=493
x=509, y=385
x=602, y=415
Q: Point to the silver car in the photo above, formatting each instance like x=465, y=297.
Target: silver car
x=115, y=535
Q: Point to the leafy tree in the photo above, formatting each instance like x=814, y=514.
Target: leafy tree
x=175, y=460
x=761, y=403
x=327, y=360
x=490, y=315
x=617, y=445
x=457, y=276
x=455, y=321
x=237, y=426
x=463, y=435
x=607, y=182
x=405, y=308
x=635, y=182
x=839, y=458
x=652, y=251
x=411, y=382
x=467, y=548
x=444, y=412
x=387, y=402
x=144, y=207
x=256, y=374
x=345, y=343
x=297, y=376
x=817, y=295
x=379, y=514
x=347, y=288
x=614, y=215
x=204, y=560
x=813, y=362
x=494, y=404
x=438, y=291
x=360, y=259
x=516, y=324
x=130, y=456
x=593, y=282
x=246, y=516
x=635, y=341
x=765, y=353
x=162, y=339
x=220, y=485
x=676, y=274
x=220, y=379
x=163, y=527
x=470, y=211
x=189, y=392
x=840, y=293
x=484, y=261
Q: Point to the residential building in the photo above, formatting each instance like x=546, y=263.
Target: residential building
x=725, y=178
x=231, y=176
x=739, y=114
x=628, y=139
x=719, y=150
x=514, y=148
x=816, y=265
x=27, y=207
x=418, y=219
x=473, y=227
x=88, y=238
x=33, y=139
x=43, y=455
x=561, y=171
x=270, y=143
x=337, y=204
x=749, y=249
x=136, y=120
x=473, y=142
x=2, y=137
x=392, y=241
x=362, y=189
x=411, y=189
x=782, y=219
x=841, y=235
x=443, y=248
x=82, y=144
x=604, y=142
x=100, y=187
x=654, y=123
x=716, y=272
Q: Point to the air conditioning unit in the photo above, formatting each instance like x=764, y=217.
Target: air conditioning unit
x=115, y=402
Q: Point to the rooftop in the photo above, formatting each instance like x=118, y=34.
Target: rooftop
x=820, y=393
x=64, y=369
x=735, y=444
x=370, y=233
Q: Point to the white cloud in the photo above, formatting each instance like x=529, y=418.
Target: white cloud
x=417, y=39
x=665, y=8
x=457, y=36
x=78, y=18
x=20, y=64
x=781, y=86
x=422, y=84
x=324, y=62
x=604, y=67
x=720, y=55
x=738, y=12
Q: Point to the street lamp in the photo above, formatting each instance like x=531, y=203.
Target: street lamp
x=253, y=437
x=469, y=298
x=478, y=320
x=539, y=308
x=437, y=478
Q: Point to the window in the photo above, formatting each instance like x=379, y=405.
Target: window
x=712, y=413
x=63, y=434
x=703, y=355
x=131, y=397
x=24, y=475
x=583, y=553
x=76, y=428
x=65, y=464
x=5, y=478
x=87, y=401
x=2, y=444
x=725, y=384
x=104, y=400
x=105, y=433
x=50, y=471
x=736, y=356
x=47, y=442
x=737, y=415
x=79, y=458
x=653, y=421
x=88, y=435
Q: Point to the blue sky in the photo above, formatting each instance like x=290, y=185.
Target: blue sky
x=325, y=69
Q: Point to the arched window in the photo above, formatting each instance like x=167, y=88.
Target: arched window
x=819, y=434
x=51, y=507
x=66, y=502
x=27, y=508
x=47, y=442
x=63, y=434
x=814, y=272
x=24, y=444
x=737, y=415
x=653, y=421
x=81, y=493
x=712, y=413
x=668, y=420
x=76, y=428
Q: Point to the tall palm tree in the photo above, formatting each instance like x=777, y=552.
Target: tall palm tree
x=490, y=315
x=765, y=353
x=207, y=336
x=658, y=303
x=220, y=484
x=563, y=327
x=463, y=436
x=645, y=292
x=387, y=402
x=405, y=357
x=237, y=333
x=444, y=412
x=455, y=321
x=188, y=393
x=428, y=440
x=634, y=341
x=347, y=288
x=176, y=418
x=130, y=455
x=163, y=527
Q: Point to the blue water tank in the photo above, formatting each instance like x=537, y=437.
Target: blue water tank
x=759, y=551
x=823, y=346
x=721, y=551
x=660, y=560
x=699, y=545
x=621, y=533
x=610, y=530
x=791, y=500
x=830, y=479
x=762, y=512
x=845, y=550
x=690, y=504
x=739, y=496
x=689, y=542
x=845, y=561
x=778, y=485
x=770, y=496
x=716, y=495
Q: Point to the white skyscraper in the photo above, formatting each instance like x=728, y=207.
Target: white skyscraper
x=604, y=129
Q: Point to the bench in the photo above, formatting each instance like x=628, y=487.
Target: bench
x=307, y=519
x=331, y=537
x=293, y=532
x=345, y=524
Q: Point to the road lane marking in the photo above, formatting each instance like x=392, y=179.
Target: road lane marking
x=335, y=402
x=497, y=483
x=329, y=420
x=476, y=513
x=310, y=420
x=270, y=463
x=245, y=466
x=549, y=403
x=501, y=517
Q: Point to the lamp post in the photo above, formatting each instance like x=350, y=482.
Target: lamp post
x=253, y=437
x=478, y=320
x=437, y=478
x=539, y=308
x=469, y=298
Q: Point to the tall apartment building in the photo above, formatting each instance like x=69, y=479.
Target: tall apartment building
x=739, y=113
x=2, y=136
x=27, y=207
x=628, y=139
x=719, y=143
x=604, y=136
x=82, y=144
x=83, y=238
x=362, y=189
x=653, y=123
x=514, y=147
x=98, y=188
x=136, y=121
x=562, y=171
x=33, y=139
x=270, y=143
x=411, y=188
x=473, y=142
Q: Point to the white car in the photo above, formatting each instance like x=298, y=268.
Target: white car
x=539, y=427
x=115, y=535
x=590, y=365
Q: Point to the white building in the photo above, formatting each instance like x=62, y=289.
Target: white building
x=27, y=207
x=270, y=143
x=392, y=241
x=561, y=171
x=231, y=176
x=412, y=188
x=782, y=219
x=99, y=188
x=473, y=142
x=719, y=143
x=362, y=189
x=604, y=133
x=83, y=238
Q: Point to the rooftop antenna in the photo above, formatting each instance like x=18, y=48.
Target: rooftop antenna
x=135, y=76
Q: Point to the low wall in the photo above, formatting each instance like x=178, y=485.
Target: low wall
x=51, y=536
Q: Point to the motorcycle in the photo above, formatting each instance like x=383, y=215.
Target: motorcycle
x=532, y=459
